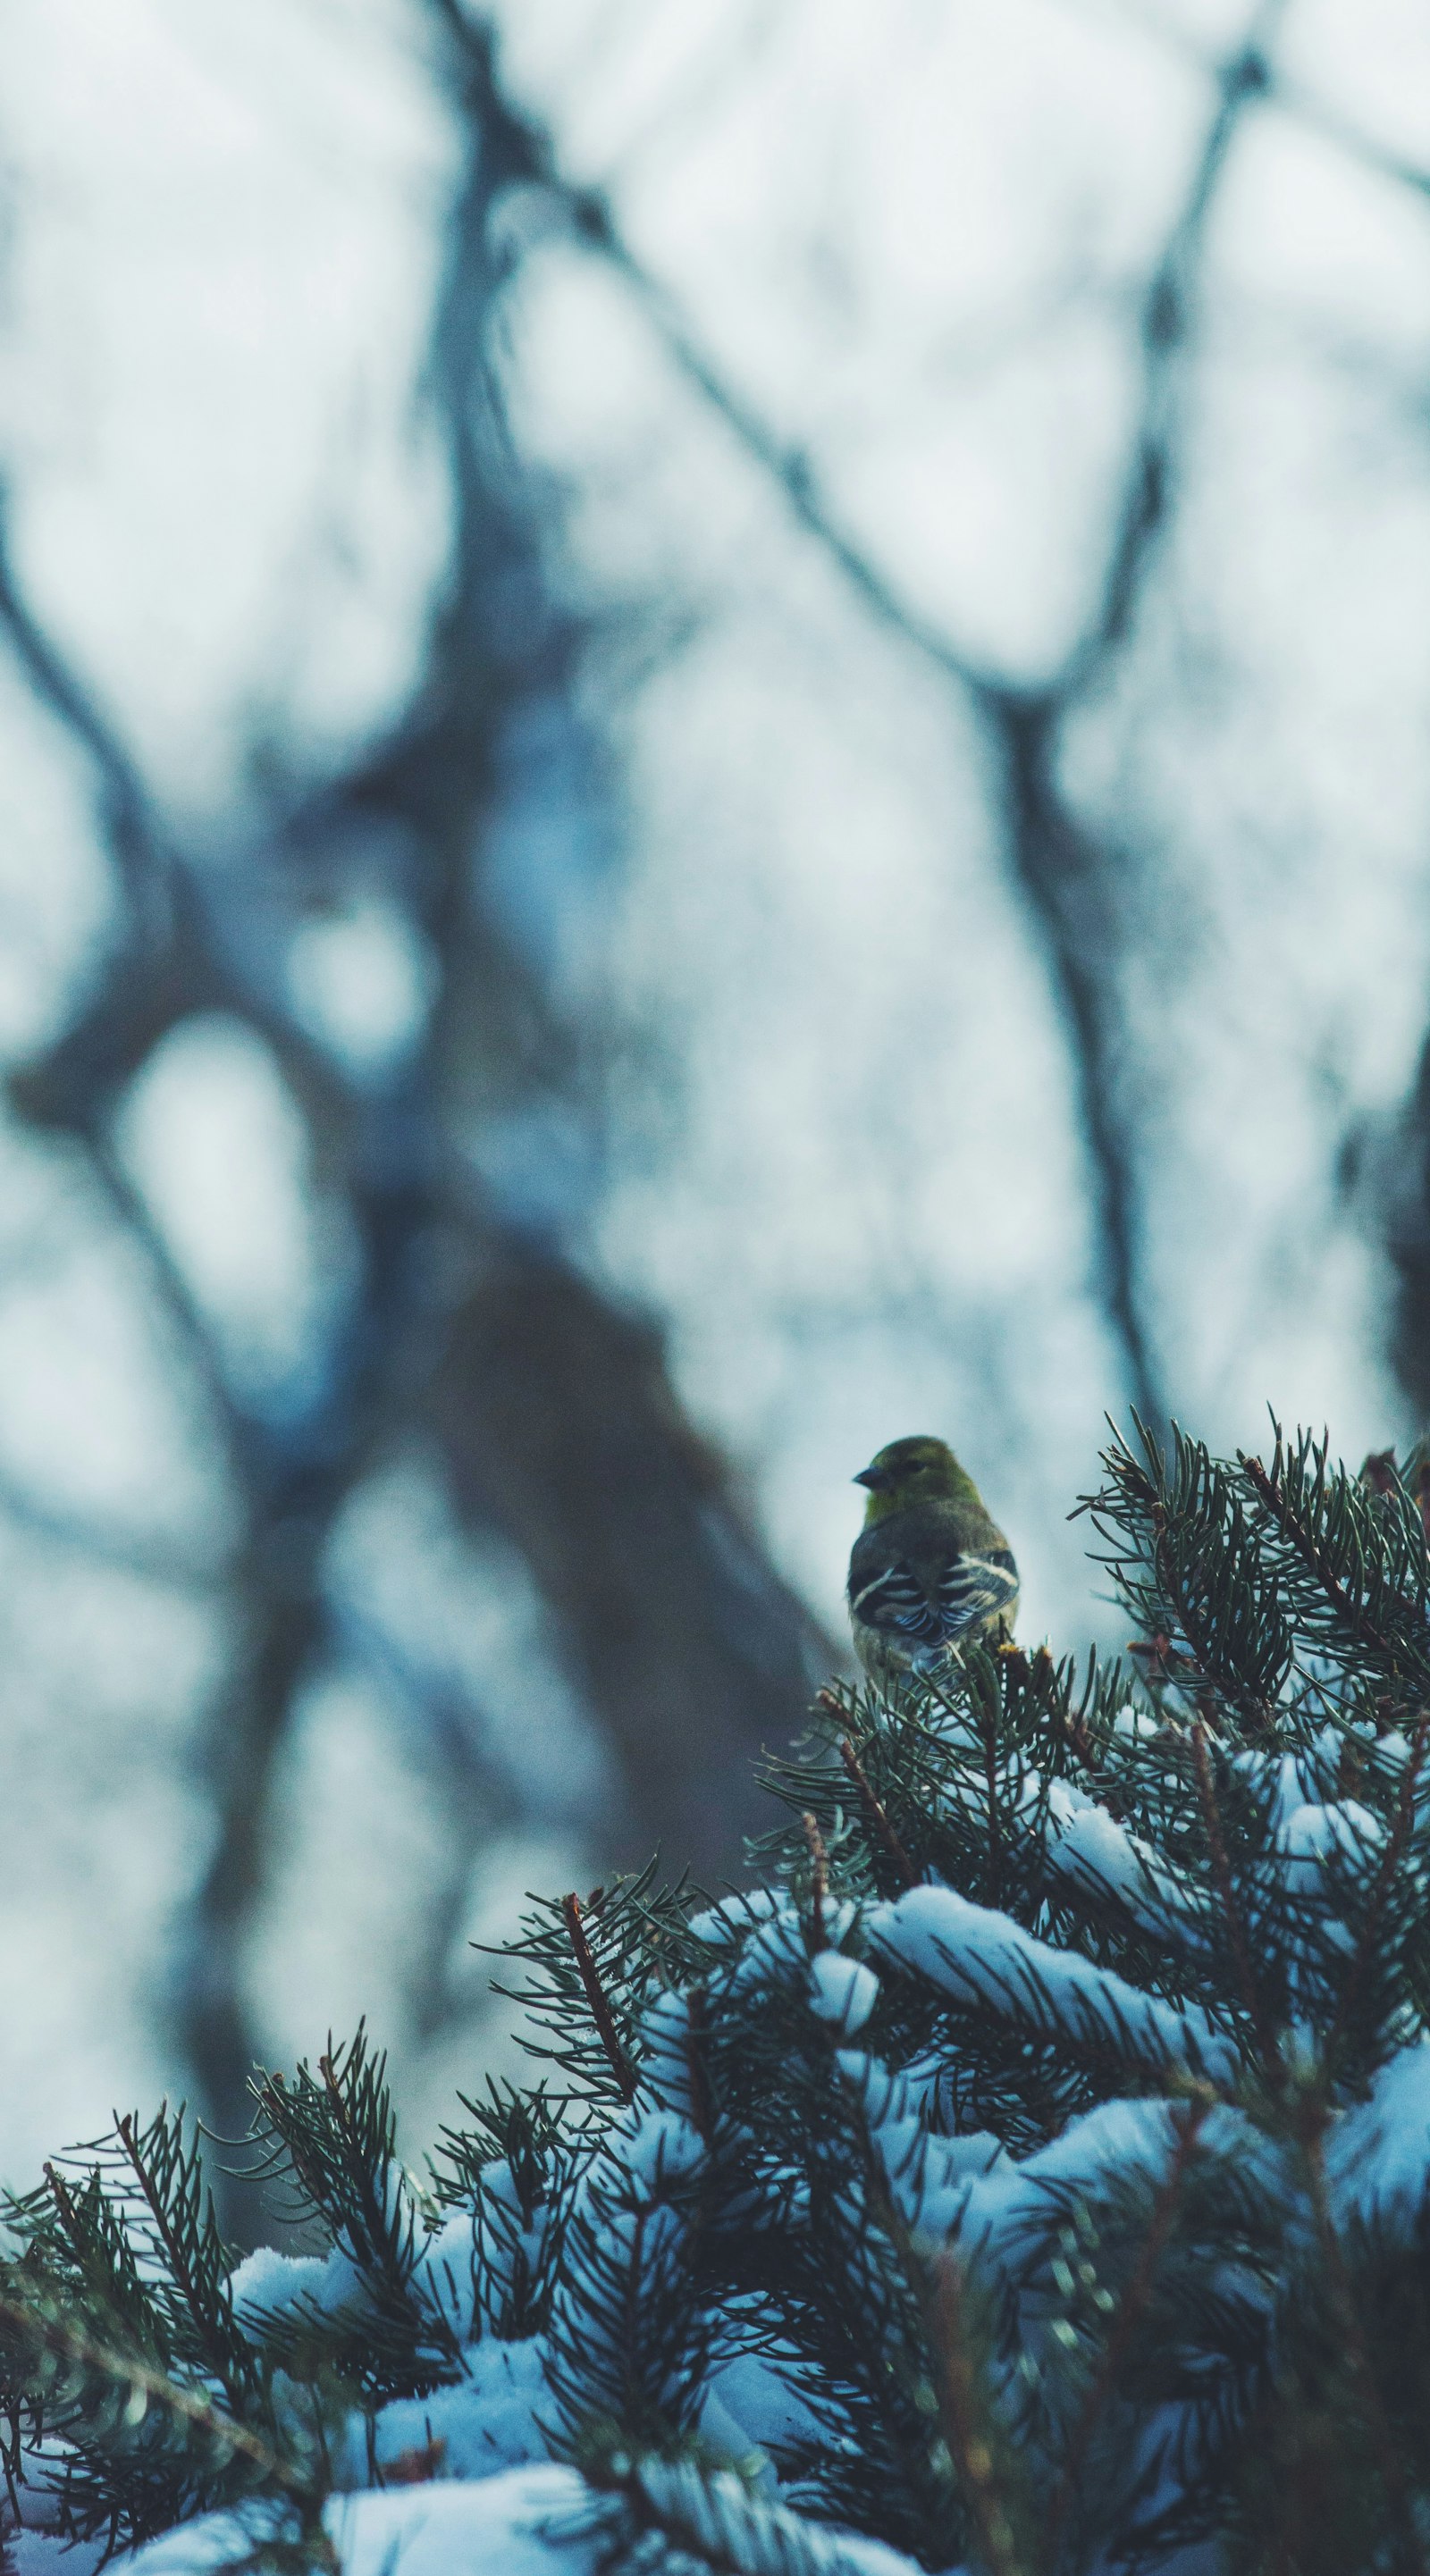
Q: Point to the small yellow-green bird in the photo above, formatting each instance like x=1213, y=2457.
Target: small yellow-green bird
x=930, y=1566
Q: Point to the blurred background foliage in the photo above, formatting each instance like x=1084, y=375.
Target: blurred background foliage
x=713, y=744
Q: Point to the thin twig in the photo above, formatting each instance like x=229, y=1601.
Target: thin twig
x=271, y=2094
x=967, y=2446
x=819, y=1882
x=1288, y=1520
x=943, y=2336
x=988, y=1737
x=1388, y=2461
x=1221, y=1873
x=1129, y=2313
x=1204, y=1654
x=69, y=2216
x=1391, y=1859
x=72, y=2343
x=876, y=1813
x=386, y=2246
x=701, y=2099
x=219, y=2350
x=597, y=1998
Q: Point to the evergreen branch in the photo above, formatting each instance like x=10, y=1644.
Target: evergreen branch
x=1191, y=1535
x=635, y=1937
x=69, y=2216
x=1223, y=2350
x=276, y=2104
x=387, y=2244
x=1199, y=1636
x=1294, y=1526
x=1069, y=1724
x=627, y=2345
x=710, y=2519
x=1300, y=1534
x=93, y=2233
x=337, y=2133
x=968, y=2447
x=225, y=2356
x=1124, y=2325
x=1388, y=2460
x=596, y=1997
x=818, y=1883
x=1221, y=1874
x=701, y=2100
x=988, y=1735
x=952, y=2405
x=977, y=1961
x=1391, y=1859
x=73, y=2343
x=876, y=1813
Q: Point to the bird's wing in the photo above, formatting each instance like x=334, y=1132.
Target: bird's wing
x=974, y=1588
x=895, y=1598
x=969, y=1590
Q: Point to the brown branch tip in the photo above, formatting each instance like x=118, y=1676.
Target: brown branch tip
x=819, y=1881
x=597, y=1998
x=876, y=1813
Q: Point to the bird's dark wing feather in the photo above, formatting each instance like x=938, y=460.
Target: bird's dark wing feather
x=970, y=1589
x=895, y=1598
x=974, y=1588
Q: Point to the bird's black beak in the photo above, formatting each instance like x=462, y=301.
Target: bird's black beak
x=876, y=1478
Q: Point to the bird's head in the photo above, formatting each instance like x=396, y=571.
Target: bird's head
x=920, y=1470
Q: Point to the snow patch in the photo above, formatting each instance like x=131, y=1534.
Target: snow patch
x=842, y=1990
x=981, y=1958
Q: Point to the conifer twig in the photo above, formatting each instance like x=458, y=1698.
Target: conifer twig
x=988, y=1730
x=1124, y=2324
x=597, y=1998
x=1288, y=1519
x=73, y=2343
x=1071, y=1724
x=218, y=2351
x=273, y=2099
x=1221, y=1873
x=701, y=2102
x=876, y=1812
x=1197, y=1635
x=967, y=2448
x=1148, y=1491
x=1387, y=2458
x=819, y=1881
x=386, y=2248
x=943, y=2332
x=63, y=2199
x=1390, y=1861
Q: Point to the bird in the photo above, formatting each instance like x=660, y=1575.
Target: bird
x=930, y=1568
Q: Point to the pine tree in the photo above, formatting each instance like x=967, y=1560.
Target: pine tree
x=1031, y=2173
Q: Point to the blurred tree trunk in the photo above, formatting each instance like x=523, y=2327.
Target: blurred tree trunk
x=561, y=1428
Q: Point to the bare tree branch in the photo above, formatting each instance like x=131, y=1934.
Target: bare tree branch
x=689, y=1650
x=1297, y=99
x=127, y=820
x=1063, y=872
x=162, y=1561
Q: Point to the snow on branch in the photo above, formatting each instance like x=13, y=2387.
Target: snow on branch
x=984, y=1961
